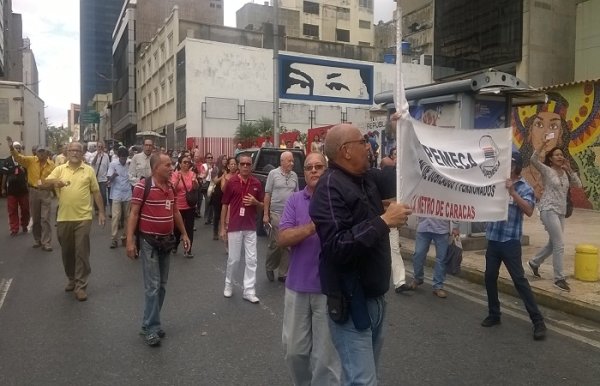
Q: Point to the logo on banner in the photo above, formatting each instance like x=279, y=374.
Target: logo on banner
x=489, y=167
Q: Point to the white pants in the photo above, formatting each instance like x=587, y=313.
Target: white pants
x=398, y=273
x=308, y=349
x=235, y=242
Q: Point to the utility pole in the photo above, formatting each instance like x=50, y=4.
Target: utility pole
x=275, y=73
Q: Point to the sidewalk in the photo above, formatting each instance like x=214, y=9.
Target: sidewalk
x=581, y=228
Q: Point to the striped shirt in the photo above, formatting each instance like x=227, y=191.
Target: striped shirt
x=512, y=227
x=156, y=216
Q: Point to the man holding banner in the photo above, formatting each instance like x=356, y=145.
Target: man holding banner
x=355, y=263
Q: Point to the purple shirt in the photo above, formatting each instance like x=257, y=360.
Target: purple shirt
x=303, y=273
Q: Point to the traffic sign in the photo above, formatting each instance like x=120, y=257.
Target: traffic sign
x=89, y=117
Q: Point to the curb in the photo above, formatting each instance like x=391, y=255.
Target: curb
x=543, y=297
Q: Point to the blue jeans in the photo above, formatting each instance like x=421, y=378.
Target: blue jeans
x=359, y=350
x=509, y=253
x=422, y=242
x=554, y=224
x=156, y=272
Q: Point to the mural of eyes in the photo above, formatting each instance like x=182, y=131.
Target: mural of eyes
x=301, y=79
x=335, y=85
x=539, y=124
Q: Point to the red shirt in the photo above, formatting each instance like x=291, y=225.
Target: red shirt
x=241, y=217
x=189, y=179
x=156, y=216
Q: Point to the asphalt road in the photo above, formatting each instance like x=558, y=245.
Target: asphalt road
x=49, y=338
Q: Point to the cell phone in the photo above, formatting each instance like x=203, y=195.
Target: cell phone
x=550, y=136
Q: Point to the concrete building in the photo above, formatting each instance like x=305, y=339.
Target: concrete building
x=21, y=116
x=217, y=85
x=137, y=23
x=13, y=40
x=259, y=17
x=30, y=70
x=97, y=20
x=587, y=41
x=73, y=121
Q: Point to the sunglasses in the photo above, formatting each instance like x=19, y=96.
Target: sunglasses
x=245, y=163
x=318, y=167
x=186, y=162
x=209, y=157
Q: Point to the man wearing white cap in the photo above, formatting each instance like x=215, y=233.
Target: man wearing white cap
x=14, y=187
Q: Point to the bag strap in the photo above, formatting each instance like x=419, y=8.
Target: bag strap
x=183, y=180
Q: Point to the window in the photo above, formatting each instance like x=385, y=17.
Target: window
x=310, y=30
x=364, y=24
x=170, y=44
x=156, y=63
x=163, y=93
x=163, y=53
x=310, y=7
x=368, y=4
x=364, y=44
x=343, y=13
x=342, y=35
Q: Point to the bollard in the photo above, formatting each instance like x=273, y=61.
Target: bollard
x=586, y=262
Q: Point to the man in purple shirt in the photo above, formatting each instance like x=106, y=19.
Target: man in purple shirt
x=309, y=352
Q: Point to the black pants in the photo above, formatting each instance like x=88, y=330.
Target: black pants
x=216, y=205
x=509, y=253
x=188, y=222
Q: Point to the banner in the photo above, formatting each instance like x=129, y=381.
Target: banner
x=455, y=174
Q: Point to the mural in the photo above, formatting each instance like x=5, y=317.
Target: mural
x=325, y=80
x=572, y=114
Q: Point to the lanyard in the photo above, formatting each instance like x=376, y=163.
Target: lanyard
x=244, y=188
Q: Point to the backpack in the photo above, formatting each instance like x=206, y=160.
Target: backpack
x=147, y=186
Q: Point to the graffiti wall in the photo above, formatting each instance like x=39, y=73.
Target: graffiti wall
x=572, y=118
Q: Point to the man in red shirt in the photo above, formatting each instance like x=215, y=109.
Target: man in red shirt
x=157, y=215
x=243, y=194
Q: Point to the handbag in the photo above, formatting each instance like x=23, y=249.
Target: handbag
x=569, y=211
x=191, y=196
x=454, y=256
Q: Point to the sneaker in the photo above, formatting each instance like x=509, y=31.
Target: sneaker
x=114, y=244
x=81, y=295
x=539, y=331
x=562, y=285
x=490, y=321
x=37, y=244
x=228, y=291
x=70, y=286
x=251, y=298
x=188, y=255
x=47, y=248
x=152, y=339
x=534, y=269
x=161, y=333
x=440, y=293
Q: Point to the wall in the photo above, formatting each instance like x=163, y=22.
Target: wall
x=578, y=107
x=587, y=43
x=227, y=83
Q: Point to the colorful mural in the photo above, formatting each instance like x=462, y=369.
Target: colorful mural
x=572, y=115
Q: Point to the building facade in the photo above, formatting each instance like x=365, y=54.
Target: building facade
x=73, y=121
x=30, y=70
x=136, y=25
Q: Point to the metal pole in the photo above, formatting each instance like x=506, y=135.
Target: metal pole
x=401, y=105
x=275, y=73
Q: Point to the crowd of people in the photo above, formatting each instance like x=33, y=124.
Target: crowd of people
x=334, y=243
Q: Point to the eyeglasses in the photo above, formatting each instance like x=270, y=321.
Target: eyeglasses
x=317, y=167
x=361, y=141
x=209, y=157
x=186, y=162
x=245, y=163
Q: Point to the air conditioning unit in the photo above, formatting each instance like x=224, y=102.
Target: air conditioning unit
x=425, y=59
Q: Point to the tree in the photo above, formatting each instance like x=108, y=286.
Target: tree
x=265, y=127
x=247, y=133
x=56, y=137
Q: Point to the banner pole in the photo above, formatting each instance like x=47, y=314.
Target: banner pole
x=401, y=103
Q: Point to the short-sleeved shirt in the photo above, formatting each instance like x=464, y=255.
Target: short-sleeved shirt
x=156, y=216
x=101, y=166
x=120, y=188
x=139, y=167
x=180, y=189
x=512, y=228
x=303, y=273
x=235, y=190
x=280, y=186
x=75, y=199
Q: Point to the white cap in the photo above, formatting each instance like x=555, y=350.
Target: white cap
x=16, y=144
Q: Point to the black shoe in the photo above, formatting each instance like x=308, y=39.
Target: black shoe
x=161, y=333
x=562, y=285
x=282, y=278
x=539, y=331
x=490, y=321
x=414, y=284
x=534, y=269
x=402, y=288
x=152, y=339
x=270, y=275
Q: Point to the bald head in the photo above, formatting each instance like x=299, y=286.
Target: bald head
x=336, y=136
x=286, y=161
x=346, y=147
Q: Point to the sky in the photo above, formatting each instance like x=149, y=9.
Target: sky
x=53, y=27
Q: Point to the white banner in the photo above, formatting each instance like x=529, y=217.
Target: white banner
x=455, y=174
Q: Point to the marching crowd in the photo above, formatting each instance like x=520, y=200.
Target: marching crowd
x=334, y=244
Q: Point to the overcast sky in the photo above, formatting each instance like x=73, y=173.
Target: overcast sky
x=53, y=27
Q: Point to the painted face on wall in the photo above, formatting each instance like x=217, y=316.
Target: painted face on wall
x=324, y=81
x=545, y=124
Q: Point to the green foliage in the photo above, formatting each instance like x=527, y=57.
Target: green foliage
x=246, y=133
x=265, y=127
x=56, y=137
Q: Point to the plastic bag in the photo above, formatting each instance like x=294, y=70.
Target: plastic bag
x=454, y=256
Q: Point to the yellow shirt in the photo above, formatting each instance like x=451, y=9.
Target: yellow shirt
x=36, y=174
x=75, y=200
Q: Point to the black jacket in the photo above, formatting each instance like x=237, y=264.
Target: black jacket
x=354, y=239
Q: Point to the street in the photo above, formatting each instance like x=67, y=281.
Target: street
x=47, y=337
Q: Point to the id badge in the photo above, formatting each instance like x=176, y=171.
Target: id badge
x=168, y=205
x=242, y=212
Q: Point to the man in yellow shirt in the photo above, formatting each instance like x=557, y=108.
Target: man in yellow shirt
x=76, y=182
x=40, y=198
x=62, y=157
